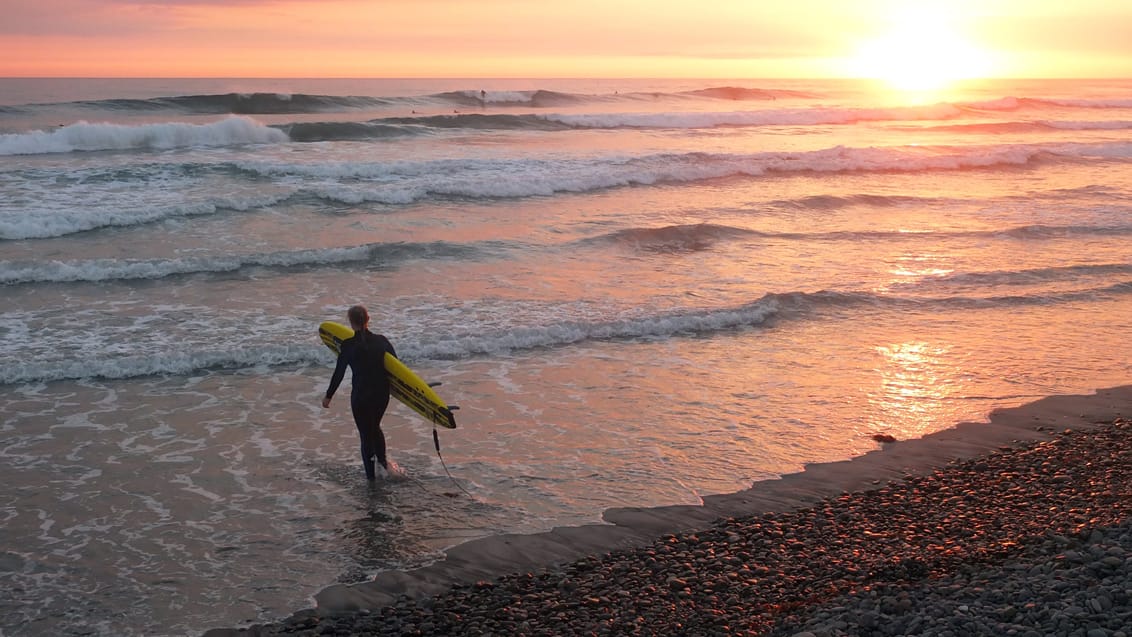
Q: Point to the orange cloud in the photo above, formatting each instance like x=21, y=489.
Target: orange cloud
x=484, y=38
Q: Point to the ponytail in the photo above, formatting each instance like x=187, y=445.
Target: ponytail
x=359, y=319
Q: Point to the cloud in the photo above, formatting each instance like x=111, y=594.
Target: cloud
x=485, y=36
x=79, y=18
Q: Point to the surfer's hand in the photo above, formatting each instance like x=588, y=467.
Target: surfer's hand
x=325, y=402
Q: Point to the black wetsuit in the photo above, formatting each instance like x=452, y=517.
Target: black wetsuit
x=364, y=353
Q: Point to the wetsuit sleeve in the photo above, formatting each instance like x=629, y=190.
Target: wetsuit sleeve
x=339, y=371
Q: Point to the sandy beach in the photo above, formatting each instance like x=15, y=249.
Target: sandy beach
x=800, y=555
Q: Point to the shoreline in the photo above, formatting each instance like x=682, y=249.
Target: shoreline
x=477, y=563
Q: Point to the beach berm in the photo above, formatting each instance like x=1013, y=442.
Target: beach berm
x=1032, y=537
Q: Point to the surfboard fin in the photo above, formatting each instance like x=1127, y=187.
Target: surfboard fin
x=436, y=384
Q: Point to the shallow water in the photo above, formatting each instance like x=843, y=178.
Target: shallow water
x=637, y=296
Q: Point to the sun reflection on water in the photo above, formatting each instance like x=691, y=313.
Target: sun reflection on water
x=915, y=383
x=909, y=268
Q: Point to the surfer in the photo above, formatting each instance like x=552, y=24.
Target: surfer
x=364, y=354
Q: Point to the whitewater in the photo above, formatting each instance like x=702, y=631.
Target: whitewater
x=638, y=292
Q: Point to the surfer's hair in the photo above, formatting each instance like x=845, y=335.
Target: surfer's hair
x=358, y=316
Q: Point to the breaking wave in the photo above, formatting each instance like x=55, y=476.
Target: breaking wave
x=85, y=136
x=777, y=307
x=98, y=270
x=242, y=103
x=408, y=182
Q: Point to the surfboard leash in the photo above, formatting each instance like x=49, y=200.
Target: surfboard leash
x=436, y=443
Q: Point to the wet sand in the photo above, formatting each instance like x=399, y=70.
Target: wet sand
x=560, y=562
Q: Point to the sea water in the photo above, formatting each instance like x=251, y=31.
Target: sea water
x=637, y=292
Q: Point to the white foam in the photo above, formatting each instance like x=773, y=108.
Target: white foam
x=266, y=446
x=394, y=472
x=177, y=361
x=86, y=136
x=79, y=421
x=572, y=332
x=51, y=212
x=406, y=182
x=58, y=214
x=502, y=97
x=157, y=355
x=780, y=117
x=120, y=269
x=191, y=487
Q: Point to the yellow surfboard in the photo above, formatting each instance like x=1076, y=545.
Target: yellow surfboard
x=404, y=384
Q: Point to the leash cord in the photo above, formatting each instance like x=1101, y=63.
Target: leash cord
x=436, y=443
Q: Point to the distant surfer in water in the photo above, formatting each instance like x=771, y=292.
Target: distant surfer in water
x=364, y=353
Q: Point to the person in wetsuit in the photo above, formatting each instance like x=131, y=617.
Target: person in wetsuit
x=364, y=354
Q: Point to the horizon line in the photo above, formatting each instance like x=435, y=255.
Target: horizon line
x=527, y=77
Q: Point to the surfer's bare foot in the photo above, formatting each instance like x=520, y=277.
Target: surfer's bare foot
x=394, y=471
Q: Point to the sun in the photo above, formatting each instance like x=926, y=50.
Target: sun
x=921, y=51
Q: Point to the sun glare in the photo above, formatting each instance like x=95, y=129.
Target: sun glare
x=920, y=52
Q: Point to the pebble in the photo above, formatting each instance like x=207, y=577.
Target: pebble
x=1028, y=541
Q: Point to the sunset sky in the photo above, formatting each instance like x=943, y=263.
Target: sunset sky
x=579, y=38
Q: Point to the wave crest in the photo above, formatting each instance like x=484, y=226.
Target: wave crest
x=96, y=270
x=189, y=359
x=405, y=183
x=85, y=136
x=265, y=348
x=1020, y=103
x=241, y=103
x=739, y=93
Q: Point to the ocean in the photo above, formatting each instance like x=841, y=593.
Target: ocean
x=638, y=293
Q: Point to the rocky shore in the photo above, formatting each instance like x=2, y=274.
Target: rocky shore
x=1029, y=540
